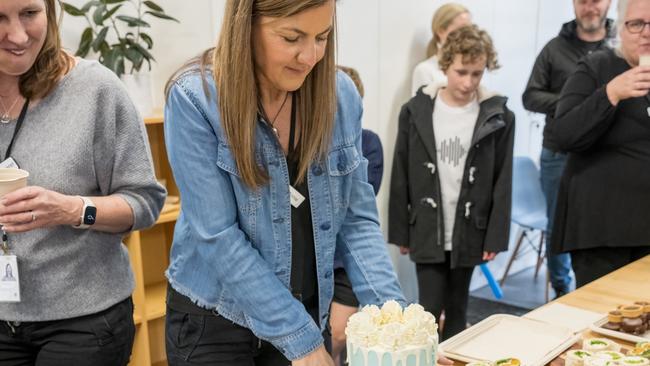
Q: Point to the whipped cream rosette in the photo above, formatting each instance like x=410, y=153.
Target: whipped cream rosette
x=392, y=335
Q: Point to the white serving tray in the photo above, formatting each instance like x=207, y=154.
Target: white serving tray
x=597, y=328
x=533, y=342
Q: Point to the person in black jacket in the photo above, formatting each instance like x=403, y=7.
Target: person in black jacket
x=451, y=184
x=603, y=122
x=588, y=32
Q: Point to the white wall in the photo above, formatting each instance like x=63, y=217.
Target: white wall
x=384, y=40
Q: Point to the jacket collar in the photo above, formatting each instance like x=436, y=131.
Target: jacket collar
x=569, y=30
x=491, y=105
x=432, y=91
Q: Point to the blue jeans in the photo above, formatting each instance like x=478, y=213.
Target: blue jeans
x=559, y=265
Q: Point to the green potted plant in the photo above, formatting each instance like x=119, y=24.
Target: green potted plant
x=117, y=33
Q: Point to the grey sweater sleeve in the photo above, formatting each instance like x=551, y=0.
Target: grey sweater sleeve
x=122, y=156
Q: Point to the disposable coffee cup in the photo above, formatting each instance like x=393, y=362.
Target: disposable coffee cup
x=644, y=60
x=12, y=179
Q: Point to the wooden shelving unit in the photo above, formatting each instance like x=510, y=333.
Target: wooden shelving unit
x=149, y=253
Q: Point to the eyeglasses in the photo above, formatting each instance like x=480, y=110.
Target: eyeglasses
x=636, y=25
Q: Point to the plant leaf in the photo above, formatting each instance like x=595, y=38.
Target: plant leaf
x=144, y=52
x=133, y=55
x=99, y=40
x=111, y=12
x=153, y=6
x=98, y=15
x=132, y=21
x=119, y=66
x=89, y=5
x=161, y=15
x=108, y=2
x=74, y=11
x=86, y=41
x=147, y=39
x=104, y=48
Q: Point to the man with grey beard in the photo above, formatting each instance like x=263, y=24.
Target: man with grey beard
x=588, y=32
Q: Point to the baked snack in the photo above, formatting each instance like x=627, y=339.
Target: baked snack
x=576, y=357
x=599, y=344
x=392, y=336
x=634, y=361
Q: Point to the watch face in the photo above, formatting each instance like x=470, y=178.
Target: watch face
x=90, y=215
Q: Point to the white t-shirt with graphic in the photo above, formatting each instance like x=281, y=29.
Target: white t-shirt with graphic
x=453, y=128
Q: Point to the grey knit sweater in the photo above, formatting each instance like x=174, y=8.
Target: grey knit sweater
x=85, y=138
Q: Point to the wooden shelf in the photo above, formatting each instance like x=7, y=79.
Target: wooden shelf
x=149, y=254
x=156, y=118
x=154, y=300
x=169, y=215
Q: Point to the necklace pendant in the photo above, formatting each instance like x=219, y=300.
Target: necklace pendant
x=275, y=131
x=5, y=119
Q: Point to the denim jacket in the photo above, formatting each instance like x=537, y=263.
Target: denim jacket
x=232, y=245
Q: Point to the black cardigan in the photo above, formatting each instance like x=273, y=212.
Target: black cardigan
x=604, y=197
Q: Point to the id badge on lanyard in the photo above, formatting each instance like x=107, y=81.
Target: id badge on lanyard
x=9, y=277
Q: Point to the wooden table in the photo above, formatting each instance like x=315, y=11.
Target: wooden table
x=623, y=286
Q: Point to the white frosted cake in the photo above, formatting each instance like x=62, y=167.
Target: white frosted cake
x=391, y=336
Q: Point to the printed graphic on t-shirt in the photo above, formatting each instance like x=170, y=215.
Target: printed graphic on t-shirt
x=452, y=151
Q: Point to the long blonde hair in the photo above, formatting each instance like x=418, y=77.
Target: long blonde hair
x=234, y=74
x=51, y=63
x=442, y=19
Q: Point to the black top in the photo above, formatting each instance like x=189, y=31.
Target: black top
x=554, y=64
x=304, y=283
x=604, y=194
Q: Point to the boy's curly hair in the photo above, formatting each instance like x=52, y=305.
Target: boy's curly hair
x=472, y=43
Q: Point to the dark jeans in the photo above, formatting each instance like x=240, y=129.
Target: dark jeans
x=442, y=288
x=558, y=265
x=591, y=264
x=101, y=339
x=193, y=339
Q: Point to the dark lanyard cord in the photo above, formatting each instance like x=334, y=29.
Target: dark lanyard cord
x=19, y=124
x=292, y=139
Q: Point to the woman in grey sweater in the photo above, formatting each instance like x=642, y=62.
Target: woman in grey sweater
x=71, y=125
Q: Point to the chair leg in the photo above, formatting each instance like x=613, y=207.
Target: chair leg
x=540, y=257
x=547, y=284
x=522, y=234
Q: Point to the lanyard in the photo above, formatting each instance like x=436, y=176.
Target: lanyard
x=19, y=124
x=292, y=134
x=5, y=244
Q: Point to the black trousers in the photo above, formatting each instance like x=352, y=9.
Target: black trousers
x=591, y=264
x=101, y=339
x=442, y=288
x=199, y=339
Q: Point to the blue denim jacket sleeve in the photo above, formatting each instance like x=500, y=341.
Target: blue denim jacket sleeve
x=213, y=241
x=360, y=242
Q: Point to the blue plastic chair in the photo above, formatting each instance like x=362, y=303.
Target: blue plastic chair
x=528, y=209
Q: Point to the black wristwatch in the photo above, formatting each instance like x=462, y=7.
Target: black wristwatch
x=88, y=214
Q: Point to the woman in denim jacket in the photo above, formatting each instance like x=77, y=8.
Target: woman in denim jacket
x=264, y=139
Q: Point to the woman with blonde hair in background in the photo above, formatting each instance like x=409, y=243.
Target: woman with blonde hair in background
x=446, y=19
x=264, y=139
